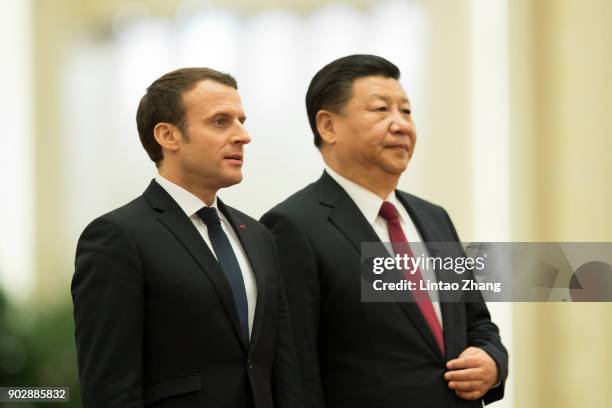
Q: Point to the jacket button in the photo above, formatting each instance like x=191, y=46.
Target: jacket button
x=250, y=365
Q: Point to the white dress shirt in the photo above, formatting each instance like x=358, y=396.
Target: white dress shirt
x=369, y=204
x=191, y=204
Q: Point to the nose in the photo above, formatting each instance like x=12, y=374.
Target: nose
x=241, y=136
x=400, y=124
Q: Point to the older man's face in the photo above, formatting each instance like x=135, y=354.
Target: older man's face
x=374, y=130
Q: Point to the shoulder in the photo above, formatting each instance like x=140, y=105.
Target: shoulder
x=122, y=220
x=435, y=214
x=420, y=204
x=301, y=219
x=134, y=210
x=299, y=206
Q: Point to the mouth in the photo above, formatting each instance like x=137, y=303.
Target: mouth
x=234, y=158
x=398, y=147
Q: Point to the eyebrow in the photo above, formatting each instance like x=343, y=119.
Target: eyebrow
x=384, y=97
x=242, y=118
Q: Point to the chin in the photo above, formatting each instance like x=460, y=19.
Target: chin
x=232, y=179
x=395, y=169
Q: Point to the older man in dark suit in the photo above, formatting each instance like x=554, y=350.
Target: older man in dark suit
x=420, y=353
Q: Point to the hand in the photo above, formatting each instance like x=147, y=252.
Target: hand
x=472, y=374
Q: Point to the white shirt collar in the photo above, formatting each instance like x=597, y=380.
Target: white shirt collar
x=189, y=202
x=367, y=202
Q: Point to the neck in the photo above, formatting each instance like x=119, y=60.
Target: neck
x=206, y=194
x=375, y=180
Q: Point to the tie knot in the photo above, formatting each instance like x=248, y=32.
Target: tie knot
x=388, y=211
x=209, y=215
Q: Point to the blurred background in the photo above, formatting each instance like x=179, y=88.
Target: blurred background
x=512, y=101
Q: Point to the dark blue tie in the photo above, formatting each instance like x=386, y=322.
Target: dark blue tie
x=229, y=264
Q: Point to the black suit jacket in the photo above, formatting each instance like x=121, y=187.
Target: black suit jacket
x=156, y=325
x=357, y=354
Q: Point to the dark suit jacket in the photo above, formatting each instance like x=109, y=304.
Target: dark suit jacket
x=156, y=325
x=356, y=354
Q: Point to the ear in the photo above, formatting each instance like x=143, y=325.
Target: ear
x=168, y=136
x=325, y=126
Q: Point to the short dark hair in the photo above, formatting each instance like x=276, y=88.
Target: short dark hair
x=332, y=87
x=163, y=102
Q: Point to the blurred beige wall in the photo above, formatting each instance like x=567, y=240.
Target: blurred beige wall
x=561, y=54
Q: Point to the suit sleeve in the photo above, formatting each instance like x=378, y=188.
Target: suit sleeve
x=483, y=333
x=286, y=382
x=300, y=275
x=107, y=292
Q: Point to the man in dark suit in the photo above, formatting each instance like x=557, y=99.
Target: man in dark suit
x=177, y=297
x=420, y=353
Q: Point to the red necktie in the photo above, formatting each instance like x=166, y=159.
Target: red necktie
x=401, y=247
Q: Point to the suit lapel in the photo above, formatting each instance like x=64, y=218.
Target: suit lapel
x=173, y=217
x=252, y=249
x=351, y=222
x=347, y=217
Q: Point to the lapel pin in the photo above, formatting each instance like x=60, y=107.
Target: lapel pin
x=243, y=227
